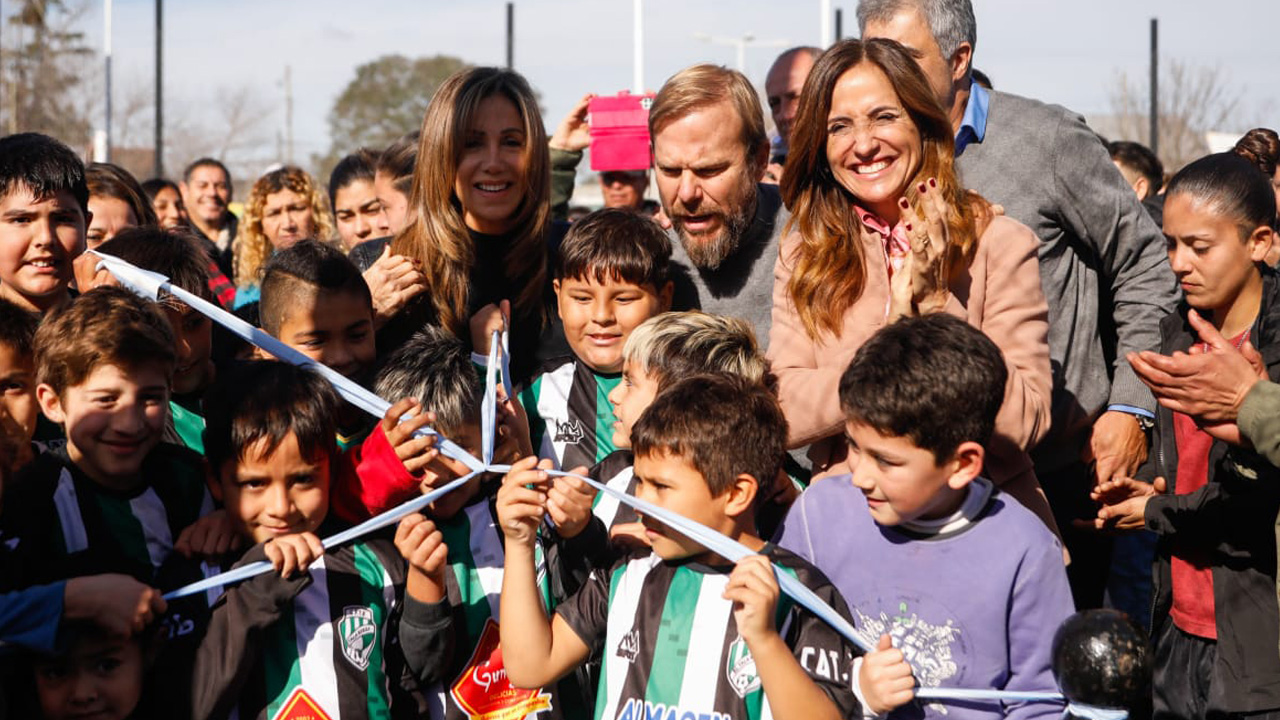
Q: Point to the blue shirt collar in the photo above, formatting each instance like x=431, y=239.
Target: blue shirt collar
x=973, y=126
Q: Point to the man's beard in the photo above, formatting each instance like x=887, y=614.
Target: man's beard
x=709, y=252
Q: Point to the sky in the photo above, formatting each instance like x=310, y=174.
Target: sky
x=1064, y=51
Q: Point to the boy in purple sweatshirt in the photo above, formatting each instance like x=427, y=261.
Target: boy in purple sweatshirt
x=963, y=586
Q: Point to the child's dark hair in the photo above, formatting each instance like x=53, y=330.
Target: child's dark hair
x=306, y=268
x=1231, y=186
x=172, y=253
x=353, y=168
x=265, y=400
x=615, y=244
x=434, y=367
x=105, y=326
x=724, y=426
x=17, y=328
x=43, y=165
x=935, y=380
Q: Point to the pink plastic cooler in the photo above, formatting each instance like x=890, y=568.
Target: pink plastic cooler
x=620, y=132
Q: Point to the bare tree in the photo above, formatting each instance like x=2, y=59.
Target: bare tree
x=41, y=71
x=1192, y=101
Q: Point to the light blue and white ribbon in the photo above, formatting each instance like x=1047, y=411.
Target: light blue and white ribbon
x=149, y=284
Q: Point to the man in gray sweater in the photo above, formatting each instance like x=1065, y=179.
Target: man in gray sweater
x=710, y=150
x=1102, y=262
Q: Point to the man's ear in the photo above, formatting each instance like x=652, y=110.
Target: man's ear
x=50, y=403
x=965, y=464
x=1259, y=242
x=741, y=495
x=760, y=160
x=961, y=61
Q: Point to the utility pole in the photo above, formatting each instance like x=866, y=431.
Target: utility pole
x=106, y=51
x=288, y=113
x=158, y=167
x=1154, y=116
x=839, y=24
x=824, y=13
x=511, y=36
x=637, y=58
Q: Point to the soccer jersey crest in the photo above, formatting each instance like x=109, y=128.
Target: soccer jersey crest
x=359, y=635
x=300, y=706
x=569, y=431
x=740, y=669
x=629, y=647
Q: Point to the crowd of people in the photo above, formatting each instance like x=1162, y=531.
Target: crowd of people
x=937, y=352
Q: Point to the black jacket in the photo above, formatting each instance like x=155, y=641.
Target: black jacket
x=1233, y=518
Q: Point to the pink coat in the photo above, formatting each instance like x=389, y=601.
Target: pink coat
x=999, y=294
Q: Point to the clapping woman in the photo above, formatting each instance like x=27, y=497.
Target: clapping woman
x=881, y=228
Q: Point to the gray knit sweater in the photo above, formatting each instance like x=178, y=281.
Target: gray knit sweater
x=1102, y=259
x=743, y=284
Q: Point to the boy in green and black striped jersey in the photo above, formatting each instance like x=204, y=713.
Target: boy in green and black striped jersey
x=682, y=632
x=434, y=368
x=610, y=276
x=114, y=498
x=327, y=637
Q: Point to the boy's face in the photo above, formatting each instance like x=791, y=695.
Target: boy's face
x=902, y=482
x=598, y=317
x=39, y=237
x=444, y=470
x=18, y=408
x=335, y=329
x=193, y=333
x=629, y=399
x=672, y=483
x=269, y=494
x=112, y=419
x=100, y=678
x=1208, y=257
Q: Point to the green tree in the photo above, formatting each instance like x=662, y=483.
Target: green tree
x=385, y=100
x=43, y=70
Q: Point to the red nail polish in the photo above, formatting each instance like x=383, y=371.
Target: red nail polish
x=920, y=187
x=903, y=203
x=908, y=227
x=933, y=183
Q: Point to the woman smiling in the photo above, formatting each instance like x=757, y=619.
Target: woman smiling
x=885, y=230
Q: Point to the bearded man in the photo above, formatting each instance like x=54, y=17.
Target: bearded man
x=710, y=151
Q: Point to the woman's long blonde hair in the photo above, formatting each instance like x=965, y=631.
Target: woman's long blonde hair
x=252, y=248
x=436, y=232
x=829, y=268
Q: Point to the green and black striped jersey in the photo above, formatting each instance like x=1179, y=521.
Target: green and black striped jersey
x=671, y=647
x=617, y=472
x=473, y=681
x=570, y=418
x=323, y=644
x=58, y=523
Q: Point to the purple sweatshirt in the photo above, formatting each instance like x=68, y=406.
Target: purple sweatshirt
x=972, y=602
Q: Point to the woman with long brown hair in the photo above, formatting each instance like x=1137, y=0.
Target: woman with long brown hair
x=479, y=215
x=883, y=229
